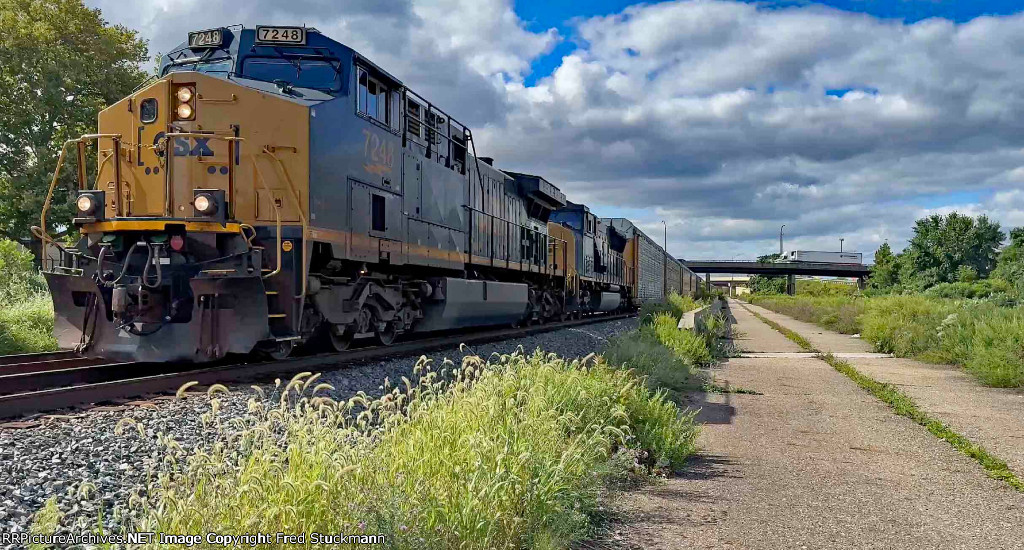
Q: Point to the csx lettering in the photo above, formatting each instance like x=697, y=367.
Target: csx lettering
x=201, y=148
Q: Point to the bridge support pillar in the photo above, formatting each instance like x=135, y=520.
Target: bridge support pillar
x=791, y=284
x=862, y=282
x=707, y=284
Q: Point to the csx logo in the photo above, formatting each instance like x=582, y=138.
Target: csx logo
x=188, y=147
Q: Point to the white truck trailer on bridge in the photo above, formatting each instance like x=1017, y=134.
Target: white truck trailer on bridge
x=817, y=256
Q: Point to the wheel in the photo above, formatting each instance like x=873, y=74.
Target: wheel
x=280, y=350
x=387, y=335
x=339, y=337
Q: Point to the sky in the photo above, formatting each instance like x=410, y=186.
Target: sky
x=726, y=119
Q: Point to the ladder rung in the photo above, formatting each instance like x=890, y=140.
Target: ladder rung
x=271, y=292
x=287, y=338
x=277, y=315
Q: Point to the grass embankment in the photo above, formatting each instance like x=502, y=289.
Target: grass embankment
x=664, y=355
x=26, y=312
x=905, y=406
x=511, y=453
x=981, y=336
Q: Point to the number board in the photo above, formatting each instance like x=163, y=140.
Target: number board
x=206, y=39
x=295, y=36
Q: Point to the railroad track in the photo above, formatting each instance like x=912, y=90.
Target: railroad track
x=40, y=362
x=47, y=386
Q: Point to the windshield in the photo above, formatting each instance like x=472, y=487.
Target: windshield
x=301, y=73
x=214, y=66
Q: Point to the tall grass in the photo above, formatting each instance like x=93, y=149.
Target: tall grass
x=840, y=313
x=981, y=336
x=675, y=304
x=663, y=355
x=811, y=287
x=510, y=454
x=26, y=312
x=27, y=326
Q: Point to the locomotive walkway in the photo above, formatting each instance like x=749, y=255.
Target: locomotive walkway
x=817, y=462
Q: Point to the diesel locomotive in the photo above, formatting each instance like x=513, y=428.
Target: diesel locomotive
x=272, y=187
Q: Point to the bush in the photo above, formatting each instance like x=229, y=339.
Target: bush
x=905, y=325
x=997, y=349
x=811, y=287
x=26, y=312
x=27, y=326
x=997, y=290
x=675, y=304
x=502, y=457
x=19, y=280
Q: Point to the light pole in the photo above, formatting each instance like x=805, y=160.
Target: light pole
x=780, y=239
x=841, y=244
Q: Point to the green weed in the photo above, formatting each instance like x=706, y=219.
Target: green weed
x=505, y=454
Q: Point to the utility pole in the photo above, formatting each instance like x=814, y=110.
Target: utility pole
x=841, y=244
x=780, y=240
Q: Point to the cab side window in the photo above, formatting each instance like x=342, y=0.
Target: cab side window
x=373, y=98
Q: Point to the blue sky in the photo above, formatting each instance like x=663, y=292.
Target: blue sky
x=542, y=14
x=725, y=118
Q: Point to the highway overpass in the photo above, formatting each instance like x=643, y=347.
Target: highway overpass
x=786, y=269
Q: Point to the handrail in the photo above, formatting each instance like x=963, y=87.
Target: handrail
x=44, y=235
x=268, y=150
x=277, y=216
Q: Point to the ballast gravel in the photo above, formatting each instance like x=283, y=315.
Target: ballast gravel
x=55, y=459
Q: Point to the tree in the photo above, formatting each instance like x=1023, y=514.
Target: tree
x=942, y=244
x=1010, y=266
x=885, y=272
x=60, y=64
x=768, y=284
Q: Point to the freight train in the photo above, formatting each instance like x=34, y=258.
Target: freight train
x=272, y=187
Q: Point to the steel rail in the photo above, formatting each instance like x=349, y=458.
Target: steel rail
x=68, y=396
x=31, y=357
x=44, y=365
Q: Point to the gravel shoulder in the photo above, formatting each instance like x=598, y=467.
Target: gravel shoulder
x=992, y=417
x=815, y=462
x=53, y=459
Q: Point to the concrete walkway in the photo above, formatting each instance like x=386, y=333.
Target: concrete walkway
x=751, y=335
x=821, y=339
x=992, y=417
x=816, y=462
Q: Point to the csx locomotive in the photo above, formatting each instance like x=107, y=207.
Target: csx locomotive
x=273, y=187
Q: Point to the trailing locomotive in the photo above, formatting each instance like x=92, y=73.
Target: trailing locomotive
x=273, y=187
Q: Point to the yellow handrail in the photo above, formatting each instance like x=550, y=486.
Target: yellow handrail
x=44, y=235
x=277, y=216
x=298, y=207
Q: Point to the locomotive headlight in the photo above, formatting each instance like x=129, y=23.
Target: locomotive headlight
x=205, y=204
x=184, y=94
x=184, y=111
x=86, y=204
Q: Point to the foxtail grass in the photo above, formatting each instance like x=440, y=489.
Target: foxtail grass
x=508, y=454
